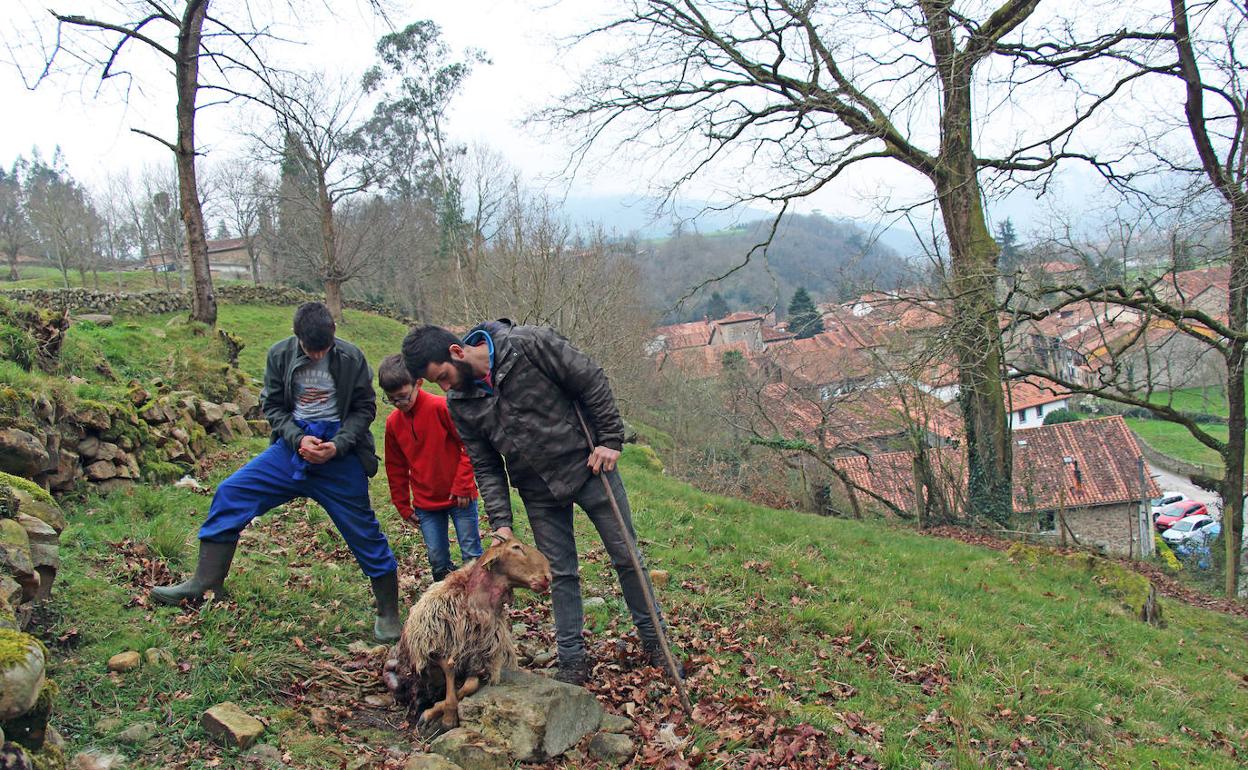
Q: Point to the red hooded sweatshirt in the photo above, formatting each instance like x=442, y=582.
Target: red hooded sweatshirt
x=426, y=464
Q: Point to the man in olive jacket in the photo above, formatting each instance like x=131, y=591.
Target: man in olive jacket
x=318, y=398
x=513, y=393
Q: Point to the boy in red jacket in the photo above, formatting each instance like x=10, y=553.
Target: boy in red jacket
x=429, y=472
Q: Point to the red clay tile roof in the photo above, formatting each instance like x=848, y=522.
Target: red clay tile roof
x=772, y=334
x=701, y=362
x=1192, y=283
x=858, y=416
x=1031, y=391
x=686, y=335
x=820, y=360
x=738, y=317
x=1078, y=464
x=1104, y=451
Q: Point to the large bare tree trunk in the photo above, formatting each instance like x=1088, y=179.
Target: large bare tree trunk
x=329, y=245
x=203, y=301
x=13, y=276
x=973, y=256
x=333, y=298
x=1233, y=458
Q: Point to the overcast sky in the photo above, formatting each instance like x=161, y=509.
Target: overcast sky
x=529, y=69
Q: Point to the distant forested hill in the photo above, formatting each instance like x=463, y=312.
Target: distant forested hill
x=834, y=260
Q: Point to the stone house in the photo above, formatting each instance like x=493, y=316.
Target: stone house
x=1074, y=483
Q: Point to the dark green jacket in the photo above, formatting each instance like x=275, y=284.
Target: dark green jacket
x=357, y=403
x=528, y=420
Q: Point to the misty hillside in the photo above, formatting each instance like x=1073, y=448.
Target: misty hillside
x=834, y=261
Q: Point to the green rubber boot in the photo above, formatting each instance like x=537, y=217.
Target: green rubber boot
x=210, y=572
x=387, y=627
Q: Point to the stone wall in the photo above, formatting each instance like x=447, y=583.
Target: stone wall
x=81, y=300
x=155, y=437
x=1107, y=528
x=30, y=528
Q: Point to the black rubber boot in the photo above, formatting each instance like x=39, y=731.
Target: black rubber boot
x=387, y=627
x=654, y=655
x=574, y=670
x=210, y=572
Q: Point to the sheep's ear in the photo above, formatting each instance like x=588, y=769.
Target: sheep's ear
x=486, y=561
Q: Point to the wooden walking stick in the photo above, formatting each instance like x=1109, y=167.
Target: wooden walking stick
x=642, y=577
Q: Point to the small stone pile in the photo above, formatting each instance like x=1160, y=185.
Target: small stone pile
x=30, y=527
x=112, y=445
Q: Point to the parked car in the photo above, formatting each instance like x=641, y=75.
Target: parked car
x=1167, y=498
x=1187, y=528
x=1177, y=512
x=1198, y=549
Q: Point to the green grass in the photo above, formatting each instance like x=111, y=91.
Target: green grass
x=1175, y=440
x=1208, y=400
x=1038, y=662
x=1036, y=652
x=35, y=277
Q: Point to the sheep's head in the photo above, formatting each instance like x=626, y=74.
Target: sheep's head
x=520, y=563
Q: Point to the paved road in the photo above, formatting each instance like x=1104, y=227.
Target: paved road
x=1169, y=481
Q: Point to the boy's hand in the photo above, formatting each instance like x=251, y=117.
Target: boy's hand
x=462, y=502
x=502, y=533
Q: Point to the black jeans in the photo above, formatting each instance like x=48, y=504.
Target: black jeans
x=554, y=537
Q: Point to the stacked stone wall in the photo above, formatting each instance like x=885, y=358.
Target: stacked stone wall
x=82, y=300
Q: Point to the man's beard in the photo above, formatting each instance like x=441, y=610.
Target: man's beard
x=466, y=375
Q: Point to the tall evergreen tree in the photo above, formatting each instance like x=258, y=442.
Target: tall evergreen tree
x=804, y=318
x=1007, y=239
x=717, y=307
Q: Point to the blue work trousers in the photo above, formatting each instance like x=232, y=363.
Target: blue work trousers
x=339, y=486
x=435, y=526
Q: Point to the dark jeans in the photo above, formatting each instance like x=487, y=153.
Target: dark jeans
x=554, y=537
x=434, y=526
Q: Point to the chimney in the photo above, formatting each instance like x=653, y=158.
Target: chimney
x=1078, y=474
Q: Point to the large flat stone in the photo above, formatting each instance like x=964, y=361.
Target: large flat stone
x=229, y=725
x=471, y=751
x=429, y=762
x=534, y=716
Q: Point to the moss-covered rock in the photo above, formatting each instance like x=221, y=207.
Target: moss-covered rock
x=30, y=729
x=1136, y=592
x=40, y=506
x=22, y=662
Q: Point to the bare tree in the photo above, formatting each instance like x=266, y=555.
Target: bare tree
x=61, y=216
x=15, y=231
x=537, y=269
x=186, y=35
x=244, y=193
x=316, y=137
x=809, y=90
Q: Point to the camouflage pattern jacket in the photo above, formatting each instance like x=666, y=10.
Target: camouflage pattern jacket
x=522, y=425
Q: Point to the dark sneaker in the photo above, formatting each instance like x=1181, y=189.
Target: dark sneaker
x=574, y=671
x=654, y=656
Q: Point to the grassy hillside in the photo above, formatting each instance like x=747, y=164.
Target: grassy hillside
x=895, y=647
x=35, y=277
x=1175, y=440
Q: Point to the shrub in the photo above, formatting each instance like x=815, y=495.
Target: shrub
x=1058, y=416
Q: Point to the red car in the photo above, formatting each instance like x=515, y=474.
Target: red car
x=1176, y=511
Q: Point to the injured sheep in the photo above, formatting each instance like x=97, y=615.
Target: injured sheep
x=458, y=632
